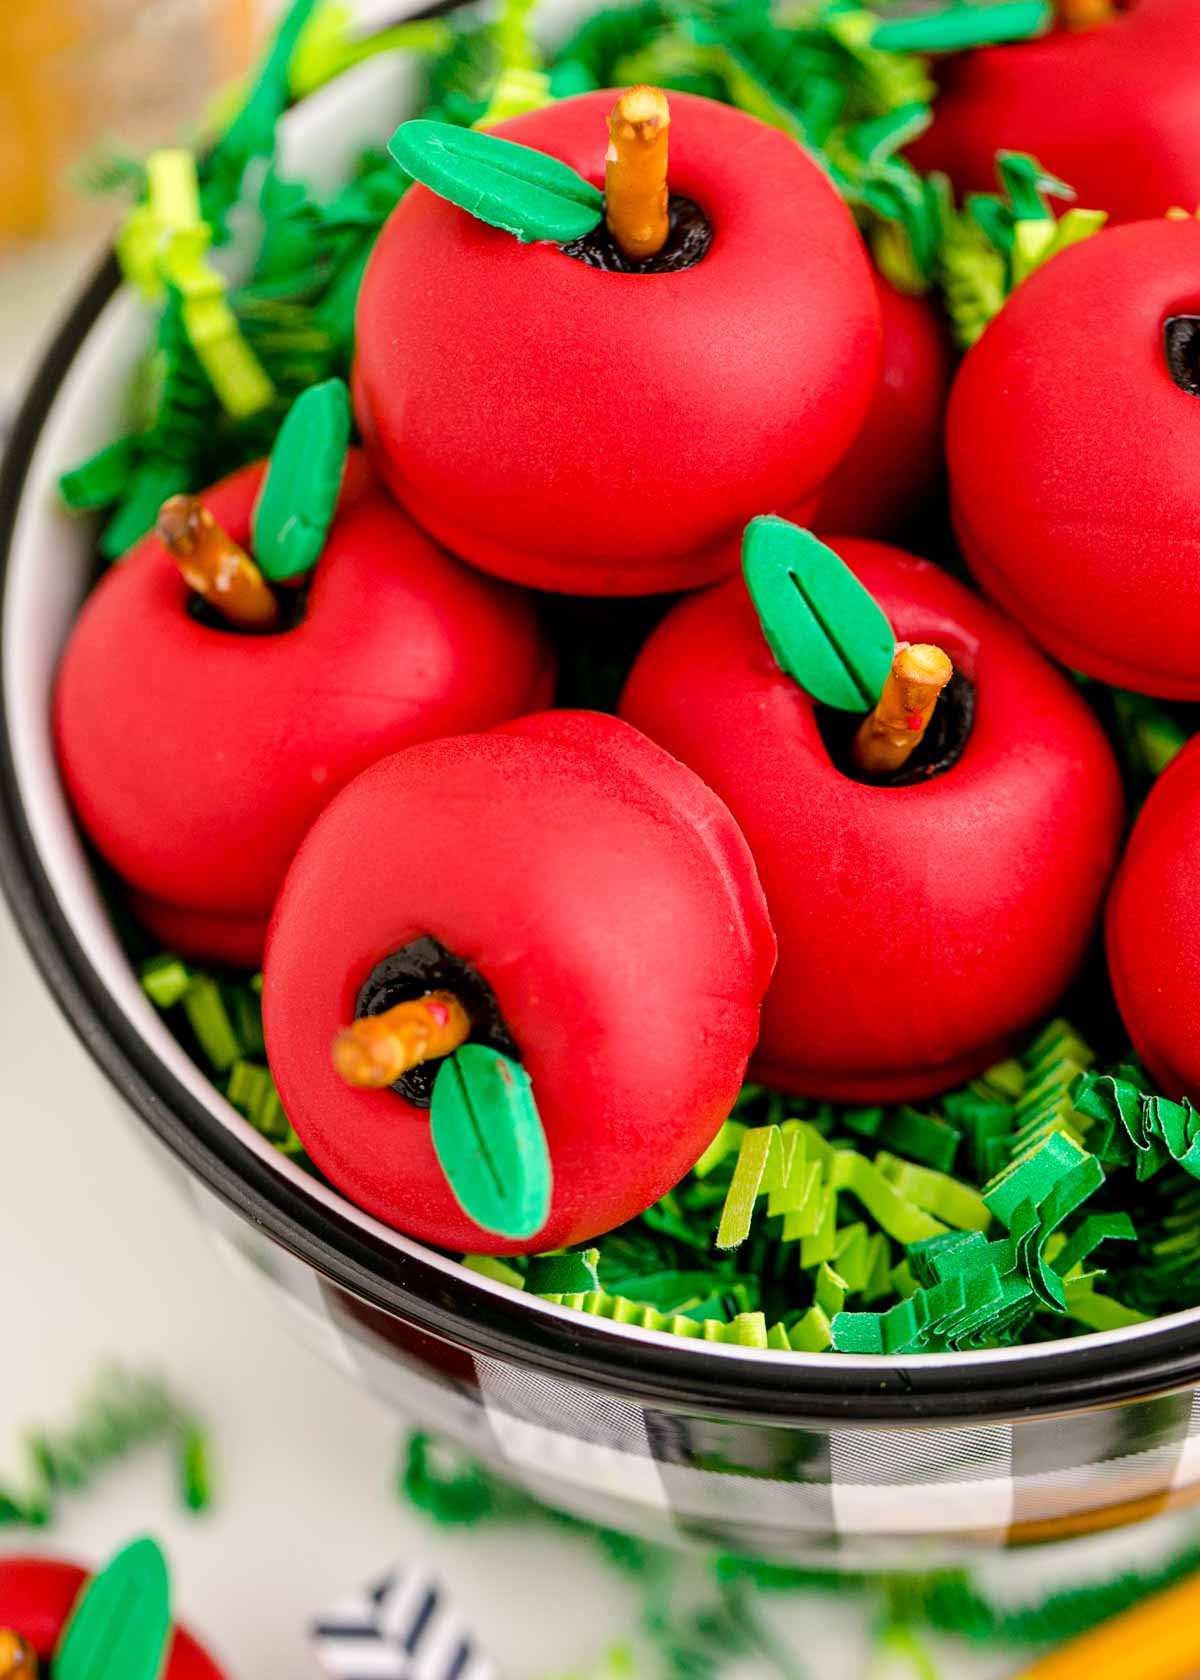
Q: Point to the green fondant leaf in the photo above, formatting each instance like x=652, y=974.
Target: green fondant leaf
x=121, y=1622
x=959, y=27
x=822, y=626
x=523, y=191
x=489, y=1140
x=299, y=495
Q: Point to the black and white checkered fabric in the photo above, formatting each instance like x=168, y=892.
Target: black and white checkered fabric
x=839, y=1496
x=403, y=1628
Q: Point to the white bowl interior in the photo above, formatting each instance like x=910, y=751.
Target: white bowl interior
x=49, y=569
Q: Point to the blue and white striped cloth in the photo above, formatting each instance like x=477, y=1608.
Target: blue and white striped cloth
x=403, y=1628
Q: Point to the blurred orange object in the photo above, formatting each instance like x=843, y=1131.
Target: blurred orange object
x=76, y=74
x=1158, y=1639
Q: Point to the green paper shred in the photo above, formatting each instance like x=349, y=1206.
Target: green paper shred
x=252, y=1092
x=1050, y=1068
x=251, y=133
x=208, y=1017
x=987, y=1124
x=329, y=44
x=803, y=1176
x=947, y=1199
x=1148, y=734
x=898, y=1651
x=194, y=1458
x=225, y=1019
x=162, y=243
x=747, y=1329
x=451, y=1488
x=563, y=1274
x=99, y=481
x=926, y=1138
x=1028, y=187
x=1033, y=1196
x=525, y=192
x=165, y=979
x=969, y=1289
x=1134, y=1126
x=488, y=1266
x=822, y=626
x=119, y=1412
x=996, y=241
x=888, y=1206
x=674, y=1291
x=606, y=36
x=1089, y=1234
x=1095, y=1311
x=152, y=481
x=760, y=1167
x=521, y=82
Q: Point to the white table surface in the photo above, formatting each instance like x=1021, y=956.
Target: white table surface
x=101, y=1259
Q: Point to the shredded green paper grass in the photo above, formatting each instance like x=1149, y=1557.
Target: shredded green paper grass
x=974, y=1221
x=120, y=1411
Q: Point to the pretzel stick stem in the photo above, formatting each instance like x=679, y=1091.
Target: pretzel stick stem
x=887, y=738
x=18, y=1660
x=635, y=172
x=375, y=1050
x=216, y=567
x=1084, y=14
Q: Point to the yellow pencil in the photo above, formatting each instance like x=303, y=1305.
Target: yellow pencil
x=1157, y=1640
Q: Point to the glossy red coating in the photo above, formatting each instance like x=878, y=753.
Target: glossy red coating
x=920, y=928
x=1075, y=460
x=1153, y=929
x=1110, y=110
x=607, y=434
x=895, y=464
x=611, y=904
x=196, y=758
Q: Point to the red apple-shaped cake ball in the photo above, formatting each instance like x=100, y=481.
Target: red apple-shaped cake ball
x=1154, y=929
x=53, y=1613
x=599, y=413
x=1108, y=105
x=929, y=905
x=550, y=942
x=197, y=751
x=895, y=463
x=1073, y=441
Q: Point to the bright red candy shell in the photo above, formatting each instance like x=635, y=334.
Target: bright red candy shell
x=895, y=462
x=1111, y=111
x=37, y=1595
x=197, y=758
x=920, y=928
x=1153, y=929
x=604, y=434
x=609, y=901
x=1075, y=460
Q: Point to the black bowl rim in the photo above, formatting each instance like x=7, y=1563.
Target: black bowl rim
x=495, y=1323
